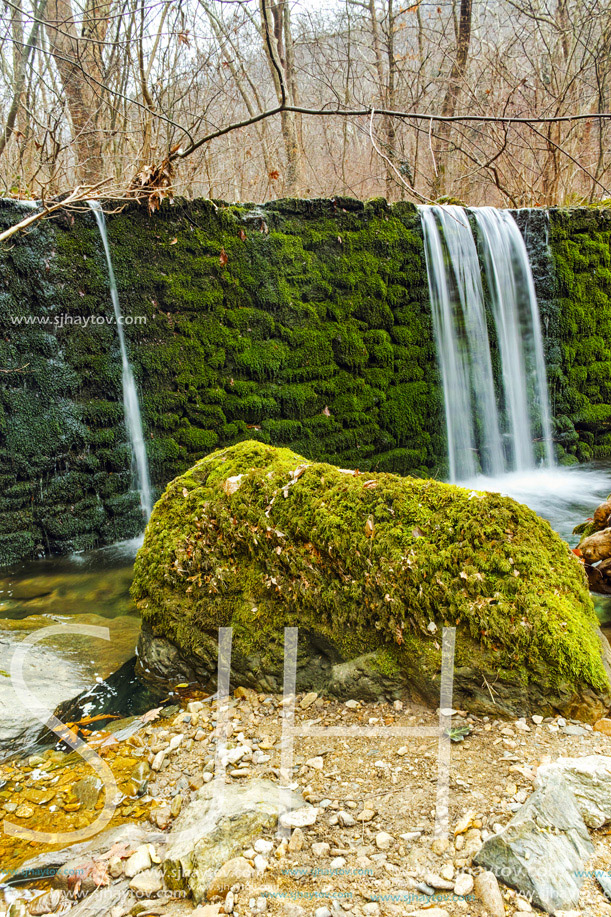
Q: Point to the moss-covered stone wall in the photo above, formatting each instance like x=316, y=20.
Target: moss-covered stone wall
x=301, y=323
x=580, y=379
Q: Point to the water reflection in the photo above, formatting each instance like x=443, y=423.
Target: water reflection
x=91, y=588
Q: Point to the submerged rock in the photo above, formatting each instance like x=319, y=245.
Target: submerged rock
x=370, y=568
x=543, y=850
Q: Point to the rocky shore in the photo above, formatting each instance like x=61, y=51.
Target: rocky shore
x=595, y=548
x=207, y=822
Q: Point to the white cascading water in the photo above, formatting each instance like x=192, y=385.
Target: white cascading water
x=459, y=321
x=131, y=405
x=518, y=326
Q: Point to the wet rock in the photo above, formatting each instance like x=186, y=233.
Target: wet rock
x=87, y=791
x=48, y=903
x=589, y=779
x=217, y=825
x=47, y=864
x=596, y=547
x=543, y=850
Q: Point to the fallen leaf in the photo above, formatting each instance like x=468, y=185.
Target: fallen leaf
x=120, y=849
x=174, y=241
x=223, y=259
x=369, y=527
x=150, y=715
x=242, y=235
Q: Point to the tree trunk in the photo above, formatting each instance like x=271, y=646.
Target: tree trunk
x=276, y=29
x=79, y=62
x=448, y=109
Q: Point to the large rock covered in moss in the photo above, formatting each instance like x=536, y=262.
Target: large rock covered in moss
x=369, y=567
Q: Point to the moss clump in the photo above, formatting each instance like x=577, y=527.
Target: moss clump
x=259, y=538
x=580, y=383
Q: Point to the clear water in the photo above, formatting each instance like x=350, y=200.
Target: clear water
x=90, y=589
x=131, y=405
x=563, y=496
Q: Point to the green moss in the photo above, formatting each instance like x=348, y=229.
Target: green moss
x=580, y=386
x=382, y=564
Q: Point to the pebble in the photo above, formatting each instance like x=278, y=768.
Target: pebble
x=263, y=846
x=233, y=871
x=572, y=730
x=316, y=763
x=321, y=849
x=345, y=819
x=115, y=867
x=440, y=845
x=366, y=815
x=323, y=911
x=147, y=883
x=261, y=863
x=138, y=861
x=384, y=840
x=425, y=889
x=338, y=863
x=438, y=882
x=229, y=903
x=299, y=818
x=297, y=841
x=352, y=704
x=487, y=890
x=308, y=700
x=464, y=884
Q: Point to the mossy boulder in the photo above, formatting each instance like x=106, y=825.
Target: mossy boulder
x=370, y=568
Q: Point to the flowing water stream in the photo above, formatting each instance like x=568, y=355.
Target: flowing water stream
x=492, y=425
x=133, y=420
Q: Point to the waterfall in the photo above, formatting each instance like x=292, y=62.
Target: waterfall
x=131, y=406
x=488, y=425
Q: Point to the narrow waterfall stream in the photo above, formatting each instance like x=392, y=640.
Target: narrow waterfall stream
x=491, y=426
x=133, y=420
